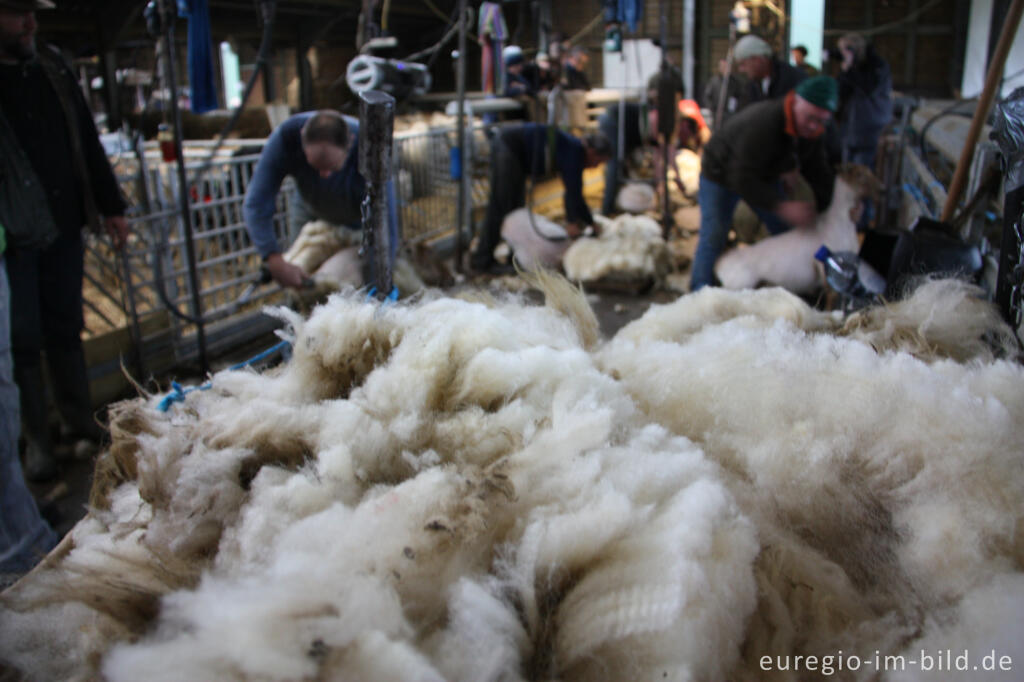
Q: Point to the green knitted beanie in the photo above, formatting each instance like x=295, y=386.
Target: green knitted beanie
x=821, y=91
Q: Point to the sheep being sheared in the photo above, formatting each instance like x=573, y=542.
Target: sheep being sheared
x=536, y=241
x=317, y=241
x=478, y=490
x=787, y=259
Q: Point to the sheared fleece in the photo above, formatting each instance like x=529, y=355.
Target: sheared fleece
x=481, y=490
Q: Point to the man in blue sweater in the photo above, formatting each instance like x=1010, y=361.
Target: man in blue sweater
x=533, y=151
x=320, y=151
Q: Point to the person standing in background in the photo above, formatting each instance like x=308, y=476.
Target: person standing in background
x=770, y=78
x=54, y=178
x=865, y=99
x=799, y=57
x=575, y=69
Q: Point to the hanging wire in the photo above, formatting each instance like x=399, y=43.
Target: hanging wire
x=268, y=10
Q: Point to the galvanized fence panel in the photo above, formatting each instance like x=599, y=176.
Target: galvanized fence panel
x=151, y=275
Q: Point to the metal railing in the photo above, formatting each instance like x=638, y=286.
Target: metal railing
x=146, y=288
x=150, y=277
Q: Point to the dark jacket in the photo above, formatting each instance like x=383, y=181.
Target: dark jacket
x=784, y=77
x=749, y=154
x=738, y=95
x=517, y=85
x=575, y=79
x=865, y=101
x=34, y=116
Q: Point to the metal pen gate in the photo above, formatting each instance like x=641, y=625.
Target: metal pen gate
x=136, y=291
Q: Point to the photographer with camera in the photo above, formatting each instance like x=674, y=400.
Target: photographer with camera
x=865, y=99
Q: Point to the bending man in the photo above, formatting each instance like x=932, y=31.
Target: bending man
x=532, y=150
x=320, y=151
x=757, y=155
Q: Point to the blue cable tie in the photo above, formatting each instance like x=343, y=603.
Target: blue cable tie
x=178, y=393
x=391, y=298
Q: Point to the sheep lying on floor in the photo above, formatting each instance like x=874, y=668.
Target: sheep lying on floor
x=481, y=490
x=787, y=259
x=536, y=241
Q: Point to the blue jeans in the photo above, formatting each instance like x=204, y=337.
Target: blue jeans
x=24, y=536
x=717, y=204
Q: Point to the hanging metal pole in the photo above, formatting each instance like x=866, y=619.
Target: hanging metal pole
x=666, y=119
x=460, y=131
x=689, y=12
x=376, y=126
x=167, y=17
x=723, y=91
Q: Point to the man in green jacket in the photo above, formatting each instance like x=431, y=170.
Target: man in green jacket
x=755, y=157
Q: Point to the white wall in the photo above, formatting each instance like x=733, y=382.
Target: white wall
x=639, y=60
x=807, y=28
x=975, y=68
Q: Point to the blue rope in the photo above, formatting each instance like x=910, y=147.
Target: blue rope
x=177, y=395
x=918, y=195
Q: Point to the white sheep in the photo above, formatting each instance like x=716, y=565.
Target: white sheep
x=536, y=241
x=787, y=259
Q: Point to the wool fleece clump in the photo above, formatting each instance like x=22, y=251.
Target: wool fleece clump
x=440, y=490
x=884, y=477
x=628, y=247
x=481, y=490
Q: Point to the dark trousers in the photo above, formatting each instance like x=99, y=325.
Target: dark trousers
x=614, y=172
x=46, y=298
x=508, y=180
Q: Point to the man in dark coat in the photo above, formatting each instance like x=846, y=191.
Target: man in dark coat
x=753, y=157
x=64, y=181
x=865, y=99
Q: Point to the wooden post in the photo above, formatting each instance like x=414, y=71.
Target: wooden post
x=988, y=93
x=376, y=127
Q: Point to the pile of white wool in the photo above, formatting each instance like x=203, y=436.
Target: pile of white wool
x=482, y=490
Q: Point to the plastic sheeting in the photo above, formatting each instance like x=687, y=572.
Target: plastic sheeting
x=200, y=55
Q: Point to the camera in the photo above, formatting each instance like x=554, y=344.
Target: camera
x=832, y=54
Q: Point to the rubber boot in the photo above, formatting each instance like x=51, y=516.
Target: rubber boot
x=40, y=463
x=70, y=380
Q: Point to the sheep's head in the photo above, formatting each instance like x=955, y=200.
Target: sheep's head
x=860, y=179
